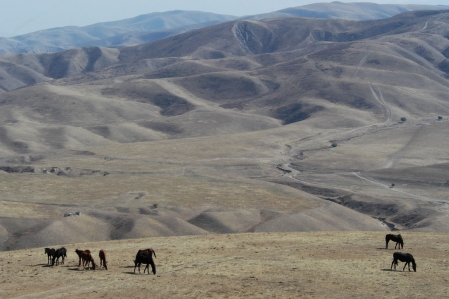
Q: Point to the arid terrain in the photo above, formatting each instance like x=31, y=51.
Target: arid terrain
x=278, y=125
x=258, y=158
x=257, y=265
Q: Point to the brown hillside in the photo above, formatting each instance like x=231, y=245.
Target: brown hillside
x=248, y=126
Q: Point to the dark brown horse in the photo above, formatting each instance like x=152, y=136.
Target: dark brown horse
x=403, y=257
x=87, y=258
x=78, y=252
x=50, y=252
x=145, y=256
x=103, y=261
x=395, y=238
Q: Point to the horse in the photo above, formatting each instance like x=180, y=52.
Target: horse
x=86, y=257
x=145, y=256
x=103, y=262
x=49, y=252
x=403, y=257
x=396, y=238
x=79, y=256
x=59, y=253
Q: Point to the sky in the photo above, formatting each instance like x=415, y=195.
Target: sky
x=24, y=16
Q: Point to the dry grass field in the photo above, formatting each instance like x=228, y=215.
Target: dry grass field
x=258, y=265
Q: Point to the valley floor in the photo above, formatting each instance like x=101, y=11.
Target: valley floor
x=257, y=265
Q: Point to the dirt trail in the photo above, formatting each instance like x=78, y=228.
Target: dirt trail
x=379, y=97
x=183, y=93
x=362, y=61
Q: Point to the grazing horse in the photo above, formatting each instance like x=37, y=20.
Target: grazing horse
x=103, y=261
x=395, y=238
x=49, y=252
x=79, y=256
x=403, y=257
x=145, y=256
x=86, y=257
x=59, y=253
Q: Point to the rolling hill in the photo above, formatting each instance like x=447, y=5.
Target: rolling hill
x=285, y=124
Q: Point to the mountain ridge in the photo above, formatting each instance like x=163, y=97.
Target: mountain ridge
x=153, y=26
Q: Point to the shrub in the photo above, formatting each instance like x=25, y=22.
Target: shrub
x=440, y=117
x=403, y=119
x=334, y=144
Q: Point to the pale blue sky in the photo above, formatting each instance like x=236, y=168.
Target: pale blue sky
x=23, y=16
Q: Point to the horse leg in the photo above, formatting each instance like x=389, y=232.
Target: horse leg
x=386, y=245
x=398, y=245
x=394, y=262
x=403, y=269
x=85, y=263
x=136, y=264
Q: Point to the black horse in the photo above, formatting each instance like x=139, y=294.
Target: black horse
x=145, y=256
x=396, y=238
x=59, y=253
x=403, y=257
x=49, y=252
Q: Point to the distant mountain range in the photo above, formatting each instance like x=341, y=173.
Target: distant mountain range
x=133, y=31
x=155, y=26
x=350, y=11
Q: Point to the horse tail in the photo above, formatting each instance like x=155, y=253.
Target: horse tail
x=153, y=267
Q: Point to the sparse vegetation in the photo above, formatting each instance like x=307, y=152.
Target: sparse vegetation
x=236, y=266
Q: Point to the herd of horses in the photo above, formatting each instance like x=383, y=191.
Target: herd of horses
x=399, y=256
x=143, y=256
